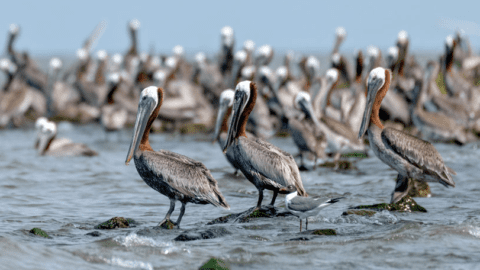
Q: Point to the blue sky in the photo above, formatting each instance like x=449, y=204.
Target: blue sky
x=60, y=27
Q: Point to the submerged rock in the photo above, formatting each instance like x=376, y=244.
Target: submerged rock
x=406, y=204
x=94, y=234
x=342, y=165
x=354, y=155
x=199, y=234
x=215, y=264
x=115, y=223
x=324, y=232
x=367, y=213
x=39, y=232
x=249, y=215
x=419, y=188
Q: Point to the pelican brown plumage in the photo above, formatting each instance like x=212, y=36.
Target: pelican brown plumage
x=175, y=176
x=409, y=156
x=263, y=164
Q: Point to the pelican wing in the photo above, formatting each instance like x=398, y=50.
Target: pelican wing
x=187, y=176
x=419, y=153
x=340, y=129
x=275, y=166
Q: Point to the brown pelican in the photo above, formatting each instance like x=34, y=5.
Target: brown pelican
x=435, y=126
x=303, y=128
x=175, y=176
x=340, y=34
x=263, y=164
x=114, y=116
x=408, y=155
x=49, y=145
x=226, y=55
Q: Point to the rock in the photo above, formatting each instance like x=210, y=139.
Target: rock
x=192, y=128
x=198, y=234
x=247, y=216
x=366, y=213
x=406, y=204
x=419, y=188
x=300, y=239
x=39, y=232
x=94, y=234
x=354, y=155
x=215, y=264
x=168, y=225
x=116, y=222
x=342, y=165
x=324, y=232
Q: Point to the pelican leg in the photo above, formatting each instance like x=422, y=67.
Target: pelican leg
x=182, y=211
x=401, y=188
x=306, y=224
x=275, y=193
x=260, y=199
x=336, y=158
x=170, y=211
x=315, y=162
x=236, y=172
x=300, y=224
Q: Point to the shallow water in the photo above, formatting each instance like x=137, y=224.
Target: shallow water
x=67, y=197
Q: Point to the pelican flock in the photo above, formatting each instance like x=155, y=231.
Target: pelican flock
x=386, y=103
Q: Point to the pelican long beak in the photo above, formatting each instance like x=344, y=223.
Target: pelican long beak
x=372, y=89
x=145, y=109
x=42, y=141
x=239, y=104
x=222, y=110
x=307, y=108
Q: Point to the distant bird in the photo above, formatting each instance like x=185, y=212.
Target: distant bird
x=263, y=164
x=50, y=146
x=303, y=126
x=175, y=176
x=304, y=207
x=409, y=156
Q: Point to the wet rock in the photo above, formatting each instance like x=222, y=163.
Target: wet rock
x=152, y=232
x=342, y=165
x=168, y=225
x=115, y=223
x=367, y=213
x=354, y=155
x=419, y=188
x=39, y=232
x=324, y=232
x=215, y=264
x=406, y=204
x=300, y=239
x=94, y=234
x=249, y=215
x=192, y=128
x=199, y=234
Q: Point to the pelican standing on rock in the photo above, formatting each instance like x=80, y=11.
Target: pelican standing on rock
x=175, y=176
x=409, y=156
x=262, y=163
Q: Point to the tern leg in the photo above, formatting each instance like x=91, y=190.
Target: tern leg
x=300, y=224
x=167, y=217
x=401, y=188
x=182, y=211
x=315, y=163
x=275, y=193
